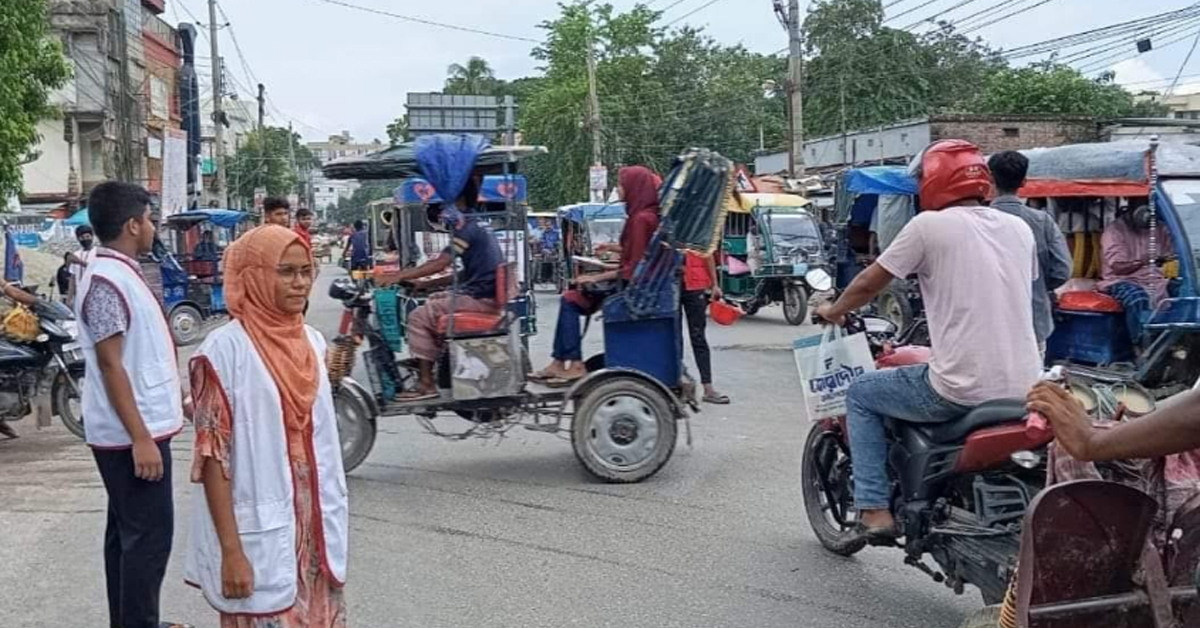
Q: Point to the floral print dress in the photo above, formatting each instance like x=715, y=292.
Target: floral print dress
x=320, y=602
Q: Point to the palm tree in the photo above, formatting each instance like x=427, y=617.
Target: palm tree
x=476, y=77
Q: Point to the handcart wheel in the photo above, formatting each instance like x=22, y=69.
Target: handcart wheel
x=624, y=430
x=187, y=325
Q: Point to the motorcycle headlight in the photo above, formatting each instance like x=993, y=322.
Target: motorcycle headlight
x=819, y=280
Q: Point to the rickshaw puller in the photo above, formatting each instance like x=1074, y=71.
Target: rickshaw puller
x=481, y=256
x=976, y=267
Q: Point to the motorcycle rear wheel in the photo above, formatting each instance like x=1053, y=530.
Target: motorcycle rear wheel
x=62, y=394
x=827, y=485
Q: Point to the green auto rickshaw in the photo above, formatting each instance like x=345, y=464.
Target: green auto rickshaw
x=773, y=253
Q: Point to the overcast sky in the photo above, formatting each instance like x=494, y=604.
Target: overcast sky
x=331, y=68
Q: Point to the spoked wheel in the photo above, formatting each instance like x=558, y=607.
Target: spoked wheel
x=187, y=325
x=356, y=428
x=795, y=304
x=623, y=430
x=827, y=483
x=67, y=403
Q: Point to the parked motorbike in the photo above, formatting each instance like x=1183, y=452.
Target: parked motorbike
x=959, y=489
x=52, y=363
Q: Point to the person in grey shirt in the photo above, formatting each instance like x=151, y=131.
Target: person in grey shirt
x=1054, y=258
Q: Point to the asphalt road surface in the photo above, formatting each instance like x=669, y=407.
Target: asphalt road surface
x=516, y=533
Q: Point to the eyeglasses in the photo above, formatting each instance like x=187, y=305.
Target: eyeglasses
x=290, y=274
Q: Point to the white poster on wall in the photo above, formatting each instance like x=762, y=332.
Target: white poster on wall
x=160, y=98
x=174, y=178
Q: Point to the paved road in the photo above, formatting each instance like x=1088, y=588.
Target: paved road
x=515, y=533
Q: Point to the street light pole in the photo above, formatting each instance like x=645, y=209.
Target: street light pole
x=795, y=98
x=218, y=114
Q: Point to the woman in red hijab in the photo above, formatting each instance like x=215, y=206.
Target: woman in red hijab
x=638, y=187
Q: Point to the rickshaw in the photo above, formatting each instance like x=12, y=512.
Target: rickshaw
x=622, y=416
x=773, y=253
x=582, y=229
x=1090, y=330
x=193, y=290
x=858, y=197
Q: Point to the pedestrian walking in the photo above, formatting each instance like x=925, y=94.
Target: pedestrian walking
x=701, y=285
x=267, y=441
x=133, y=403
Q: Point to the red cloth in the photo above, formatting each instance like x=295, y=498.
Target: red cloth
x=695, y=273
x=304, y=234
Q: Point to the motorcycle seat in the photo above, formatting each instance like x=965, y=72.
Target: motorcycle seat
x=989, y=414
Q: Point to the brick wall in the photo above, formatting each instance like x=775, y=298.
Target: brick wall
x=993, y=134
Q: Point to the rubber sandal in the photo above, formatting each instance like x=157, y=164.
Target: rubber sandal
x=541, y=376
x=877, y=536
x=560, y=382
x=717, y=400
x=168, y=624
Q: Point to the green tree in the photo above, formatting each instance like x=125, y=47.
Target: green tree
x=31, y=66
x=397, y=131
x=1048, y=88
x=476, y=77
x=354, y=207
x=264, y=160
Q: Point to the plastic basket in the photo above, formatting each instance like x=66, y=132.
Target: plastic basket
x=386, y=314
x=723, y=313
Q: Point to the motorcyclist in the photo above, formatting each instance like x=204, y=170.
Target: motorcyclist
x=976, y=267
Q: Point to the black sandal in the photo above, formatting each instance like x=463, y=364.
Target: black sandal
x=717, y=399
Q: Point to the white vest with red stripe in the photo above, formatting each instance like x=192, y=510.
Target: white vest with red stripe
x=148, y=355
x=262, y=485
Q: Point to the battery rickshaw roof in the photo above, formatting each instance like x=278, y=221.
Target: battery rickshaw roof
x=400, y=161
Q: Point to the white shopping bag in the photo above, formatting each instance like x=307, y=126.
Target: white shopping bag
x=828, y=363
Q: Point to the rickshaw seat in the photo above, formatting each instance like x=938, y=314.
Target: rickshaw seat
x=473, y=323
x=1089, y=301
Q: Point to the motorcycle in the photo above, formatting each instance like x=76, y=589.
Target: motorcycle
x=959, y=489
x=52, y=363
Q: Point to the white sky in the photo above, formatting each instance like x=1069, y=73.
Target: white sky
x=330, y=68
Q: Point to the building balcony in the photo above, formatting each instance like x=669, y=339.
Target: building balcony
x=157, y=6
x=154, y=26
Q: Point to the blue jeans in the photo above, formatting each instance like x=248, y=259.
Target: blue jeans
x=899, y=393
x=1136, y=302
x=568, y=333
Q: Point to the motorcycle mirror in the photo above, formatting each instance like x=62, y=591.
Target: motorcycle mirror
x=819, y=280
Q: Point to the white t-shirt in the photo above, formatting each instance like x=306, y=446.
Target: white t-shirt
x=976, y=268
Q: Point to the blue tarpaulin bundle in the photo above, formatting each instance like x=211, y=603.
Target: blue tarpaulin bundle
x=446, y=161
x=880, y=180
x=14, y=268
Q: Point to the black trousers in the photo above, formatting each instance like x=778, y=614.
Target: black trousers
x=137, y=541
x=695, y=308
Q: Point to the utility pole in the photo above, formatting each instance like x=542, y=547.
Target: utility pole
x=218, y=113
x=795, y=98
x=598, y=184
x=291, y=139
x=261, y=105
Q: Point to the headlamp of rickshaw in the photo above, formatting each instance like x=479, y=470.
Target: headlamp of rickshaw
x=819, y=280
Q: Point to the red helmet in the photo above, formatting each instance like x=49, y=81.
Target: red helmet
x=948, y=171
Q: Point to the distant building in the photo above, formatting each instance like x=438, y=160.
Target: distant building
x=899, y=142
x=1179, y=106
x=118, y=106
x=326, y=192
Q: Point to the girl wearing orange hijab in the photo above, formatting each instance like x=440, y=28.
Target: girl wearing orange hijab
x=269, y=520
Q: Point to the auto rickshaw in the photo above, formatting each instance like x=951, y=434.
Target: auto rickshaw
x=773, y=253
x=545, y=248
x=583, y=228
x=622, y=417
x=864, y=196
x=1090, y=332
x=193, y=289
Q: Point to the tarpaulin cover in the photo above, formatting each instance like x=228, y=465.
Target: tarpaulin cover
x=400, y=161
x=415, y=191
x=225, y=218
x=14, y=268
x=880, y=180
x=1105, y=169
x=500, y=188
x=591, y=211
x=446, y=161
x=78, y=219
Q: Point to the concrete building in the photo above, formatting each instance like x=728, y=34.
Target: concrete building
x=117, y=105
x=243, y=118
x=326, y=192
x=1179, y=106
x=899, y=142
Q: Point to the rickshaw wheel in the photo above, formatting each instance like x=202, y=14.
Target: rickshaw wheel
x=893, y=305
x=795, y=304
x=187, y=325
x=356, y=429
x=624, y=430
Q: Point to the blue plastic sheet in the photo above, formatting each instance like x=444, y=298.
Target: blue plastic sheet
x=880, y=180
x=591, y=211
x=446, y=161
x=224, y=218
x=78, y=219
